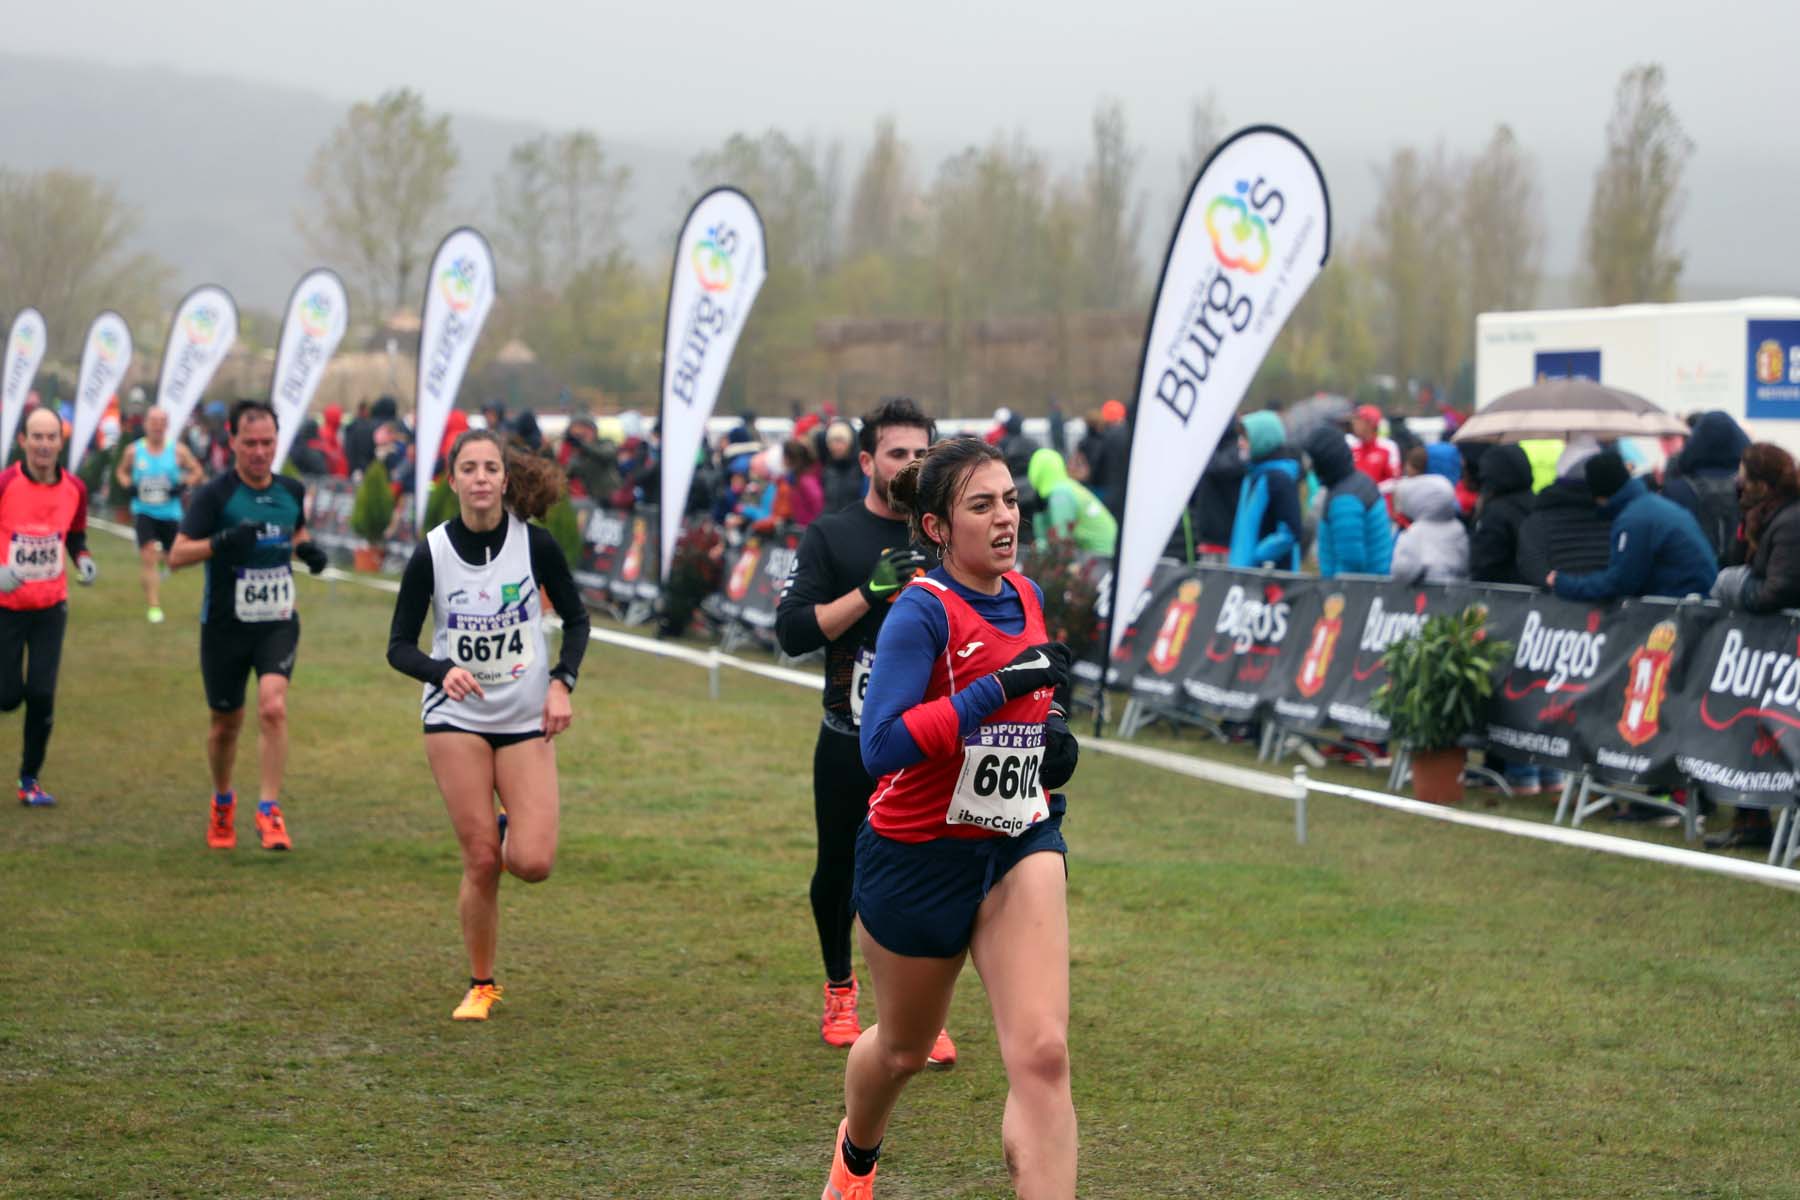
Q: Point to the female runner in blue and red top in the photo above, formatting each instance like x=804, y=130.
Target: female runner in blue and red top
x=961, y=856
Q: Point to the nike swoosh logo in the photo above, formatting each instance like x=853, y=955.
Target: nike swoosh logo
x=884, y=587
x=1029, y=664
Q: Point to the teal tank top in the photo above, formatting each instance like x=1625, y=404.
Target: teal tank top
x=157, y=479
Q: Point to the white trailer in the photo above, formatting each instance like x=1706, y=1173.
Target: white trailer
x=1739, y=356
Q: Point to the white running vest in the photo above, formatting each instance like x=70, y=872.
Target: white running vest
x=488, y=620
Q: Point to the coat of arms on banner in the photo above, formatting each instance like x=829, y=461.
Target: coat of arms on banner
x=1321, y=646
x=634, y=557
x=1647, y=682
x=1178, y=621
x=744, y=570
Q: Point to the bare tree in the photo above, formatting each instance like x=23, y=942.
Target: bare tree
x=1113, y=213
x=884, y=200
x=1629, y=243
x=559, y=203
x=380, y=188
x=795, y=188
x=1415, y=257
x=1206, y=129
x=1502, y=226
x=65, y=243
x=988, y=231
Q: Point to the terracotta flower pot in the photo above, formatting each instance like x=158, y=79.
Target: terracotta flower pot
x=1437, y=775
x=370, y=558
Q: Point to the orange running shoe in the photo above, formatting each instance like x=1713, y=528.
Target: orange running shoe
x=943, y=1051
x=221, y=828
x=840, y=1026
x=843, y=1185
x=273, y=829
x=474, y=1007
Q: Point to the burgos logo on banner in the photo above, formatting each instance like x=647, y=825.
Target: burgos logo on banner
x=202, y=326
x=457, y=285
x=1561, y=655
x=712, y=259
x=1241, y=229
x=107, y=345
x=315, y=314
x=27, y=337
x=1240, y=238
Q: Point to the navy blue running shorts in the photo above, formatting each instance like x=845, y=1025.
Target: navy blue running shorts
x=919, y=899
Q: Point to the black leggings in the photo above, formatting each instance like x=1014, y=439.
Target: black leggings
x=841, y=790
x=30, y=654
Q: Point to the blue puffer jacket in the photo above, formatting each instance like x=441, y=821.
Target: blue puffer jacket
x=1267, y=529
x=1355, y=535
x=1657, y=550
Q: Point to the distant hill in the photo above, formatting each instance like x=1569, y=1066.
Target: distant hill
x=223, y=210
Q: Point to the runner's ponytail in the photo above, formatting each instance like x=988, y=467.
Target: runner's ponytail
x=533, y=484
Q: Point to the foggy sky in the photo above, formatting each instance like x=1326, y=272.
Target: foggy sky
x=1352, y=80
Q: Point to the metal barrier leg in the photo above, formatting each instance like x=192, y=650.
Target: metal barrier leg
x=1581, y=799
x=1300, y=790
x=1563, y=802
x=1128, y=720
x=1780, y=854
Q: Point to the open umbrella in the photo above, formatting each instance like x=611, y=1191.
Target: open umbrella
x=1564, y=408
x=1323, y=408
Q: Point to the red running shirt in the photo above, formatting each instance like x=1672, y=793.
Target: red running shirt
x=914, y=804
x=36, y=520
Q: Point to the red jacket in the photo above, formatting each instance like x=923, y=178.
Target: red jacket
x=1379, y=459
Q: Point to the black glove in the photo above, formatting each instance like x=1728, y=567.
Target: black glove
x=1061, y=752
x=892, y=572
x=312, y=556
x=236, y=542
x=1042, y=666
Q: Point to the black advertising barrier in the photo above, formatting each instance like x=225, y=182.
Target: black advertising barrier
x=1646, y=692
x=1126, y=658
x=619, y=559
x=753, y=582
x=1731, y=716
x=1563, y=686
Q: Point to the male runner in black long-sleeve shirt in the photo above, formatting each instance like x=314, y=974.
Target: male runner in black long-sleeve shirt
x=850, y=566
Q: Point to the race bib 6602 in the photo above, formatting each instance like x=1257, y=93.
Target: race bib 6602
x=998, y=788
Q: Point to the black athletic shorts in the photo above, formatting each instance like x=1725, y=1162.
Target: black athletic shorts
x=498, y=741
x=155, y=529
x=229, y=652
x=920, y=898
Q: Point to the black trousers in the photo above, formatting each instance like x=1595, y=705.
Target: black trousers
x=30, y=655
x=841, y=790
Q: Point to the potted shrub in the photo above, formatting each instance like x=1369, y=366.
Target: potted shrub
x=698, y=570
x=370, y=515
x=440, y=505
x=1438, y=683
x=564, y=524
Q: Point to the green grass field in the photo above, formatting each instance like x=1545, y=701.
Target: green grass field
x=1399, y=1008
